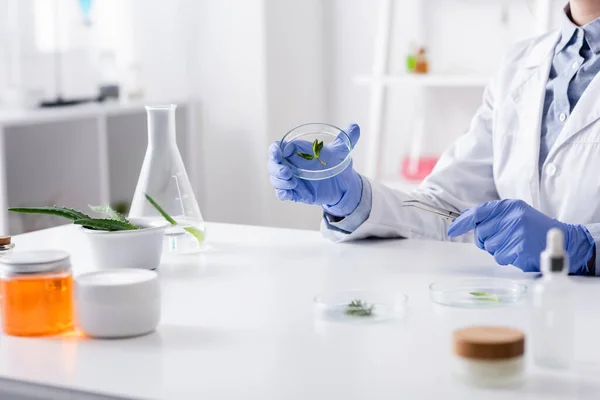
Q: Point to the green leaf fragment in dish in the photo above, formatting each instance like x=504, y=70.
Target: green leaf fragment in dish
x=306, y=156
x=358, y=308
x=485, y=296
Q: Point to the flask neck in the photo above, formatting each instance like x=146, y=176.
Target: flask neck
x=161, y=125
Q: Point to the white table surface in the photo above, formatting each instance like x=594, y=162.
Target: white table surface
x=238, y=323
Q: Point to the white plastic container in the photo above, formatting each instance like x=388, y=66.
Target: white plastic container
x=489, y=356
x=127, y=249
x=117, y=303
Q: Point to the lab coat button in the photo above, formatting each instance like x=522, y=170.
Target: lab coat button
x=562, y=117
x=575, y=65
x=551, y=169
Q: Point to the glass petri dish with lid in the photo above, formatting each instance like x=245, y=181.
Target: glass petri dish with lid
x=477, y=292
x=316, y=151
x=360, y=306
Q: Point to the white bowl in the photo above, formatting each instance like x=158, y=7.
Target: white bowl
x=127, y=249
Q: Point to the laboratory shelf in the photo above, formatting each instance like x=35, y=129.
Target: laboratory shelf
x=80, y=155
x=428, y=80
x=81, y=111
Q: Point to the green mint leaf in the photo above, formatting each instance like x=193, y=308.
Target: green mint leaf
x=318, y=149
x=108, y=210
x=305, y=155
x=315, y=145
x=358, y=308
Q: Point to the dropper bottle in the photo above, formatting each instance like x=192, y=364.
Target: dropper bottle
x=553, y=330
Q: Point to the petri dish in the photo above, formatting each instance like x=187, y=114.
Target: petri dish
x=329, y=164
x=374, y=306
x=477, y=292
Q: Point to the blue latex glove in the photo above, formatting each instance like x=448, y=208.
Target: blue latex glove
x=515, y=233
x=338, y=195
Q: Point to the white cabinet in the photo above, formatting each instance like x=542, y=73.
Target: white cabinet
x=75, y=156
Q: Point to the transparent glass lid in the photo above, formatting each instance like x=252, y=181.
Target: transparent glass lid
x=477, y=292
x=360, y=306
x=316, y=151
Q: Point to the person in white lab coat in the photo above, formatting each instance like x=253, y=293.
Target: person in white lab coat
x=529, y=162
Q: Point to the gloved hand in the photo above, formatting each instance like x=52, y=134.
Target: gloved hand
x=338, y=195
x=515, y=233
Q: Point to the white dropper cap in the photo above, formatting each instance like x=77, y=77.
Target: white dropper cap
x=554, y=258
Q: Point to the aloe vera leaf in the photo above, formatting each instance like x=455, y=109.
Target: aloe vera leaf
x=160, y=210
x=64, y=212
x=198, y=234
x=105, y=224
x=109, y=211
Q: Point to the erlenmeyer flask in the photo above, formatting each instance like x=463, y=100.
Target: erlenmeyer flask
x=163, y=177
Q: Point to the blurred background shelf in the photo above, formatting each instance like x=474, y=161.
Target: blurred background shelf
x=428, y=80
x=80, y=155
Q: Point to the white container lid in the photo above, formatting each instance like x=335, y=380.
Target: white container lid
x=117, y=286
x=35, y=262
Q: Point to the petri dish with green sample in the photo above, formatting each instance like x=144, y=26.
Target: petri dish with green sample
x=316, y=151
x=477, y=292
x=360, y=306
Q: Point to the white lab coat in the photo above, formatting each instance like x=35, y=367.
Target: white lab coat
x=498, y=158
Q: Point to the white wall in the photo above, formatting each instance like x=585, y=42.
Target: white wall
x=260, y=67
x=257, y=74
x=296, y=91
x=461, y=36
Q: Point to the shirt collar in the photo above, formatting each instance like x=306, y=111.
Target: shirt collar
x=591, y=32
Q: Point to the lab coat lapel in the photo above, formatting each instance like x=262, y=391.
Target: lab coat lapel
x=585, y=112
x=528, y=92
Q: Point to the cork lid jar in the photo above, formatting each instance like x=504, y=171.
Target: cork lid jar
x=489, y=355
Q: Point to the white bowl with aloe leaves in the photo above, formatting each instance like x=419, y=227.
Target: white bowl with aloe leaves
x=115, y=241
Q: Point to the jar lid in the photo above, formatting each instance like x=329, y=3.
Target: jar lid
x=117, y=286
x=35, y=261
x=488, y=342
x=4, y=240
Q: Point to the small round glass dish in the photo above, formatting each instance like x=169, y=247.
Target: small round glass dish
x=360, y=306
x=316, y=151
x=477, y=292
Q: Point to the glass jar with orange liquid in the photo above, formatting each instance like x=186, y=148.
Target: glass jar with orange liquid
x=37, y=293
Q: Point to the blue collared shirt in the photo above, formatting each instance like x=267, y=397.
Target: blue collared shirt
x=576, y=62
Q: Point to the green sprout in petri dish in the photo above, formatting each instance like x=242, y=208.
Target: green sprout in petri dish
x=317, y=146
x=485, y=296
x=359, y=308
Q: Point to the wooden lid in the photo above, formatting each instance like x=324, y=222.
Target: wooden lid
x=4, y=240
x=488, y=342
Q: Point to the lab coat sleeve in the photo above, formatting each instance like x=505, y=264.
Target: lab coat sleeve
x=462, y=178
x=594, y=230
